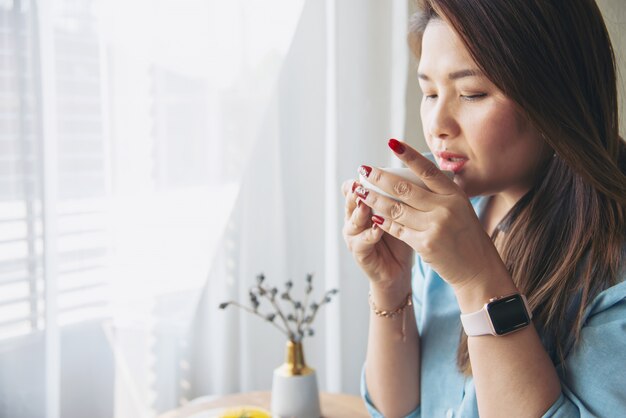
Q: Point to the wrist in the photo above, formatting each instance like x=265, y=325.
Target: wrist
x=389, y=296
x=472, y=295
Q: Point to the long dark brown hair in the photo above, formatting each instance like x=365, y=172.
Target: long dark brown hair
x=563, y=241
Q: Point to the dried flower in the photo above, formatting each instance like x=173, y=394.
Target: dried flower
x=296, y=324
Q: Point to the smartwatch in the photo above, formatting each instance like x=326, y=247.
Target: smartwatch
x=499, y=316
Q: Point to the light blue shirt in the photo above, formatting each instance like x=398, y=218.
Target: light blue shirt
x=595, y=383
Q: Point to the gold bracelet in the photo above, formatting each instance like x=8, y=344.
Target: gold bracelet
x=391, y=314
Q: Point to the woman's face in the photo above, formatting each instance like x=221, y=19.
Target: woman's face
x=470, y=126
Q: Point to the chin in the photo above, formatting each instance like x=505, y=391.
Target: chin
x=470, y=188
x=460, y=181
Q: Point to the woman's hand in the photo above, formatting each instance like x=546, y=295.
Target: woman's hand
x=386, y=260
x=440, y=223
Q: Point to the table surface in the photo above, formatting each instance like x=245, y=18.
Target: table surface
x=334, y=405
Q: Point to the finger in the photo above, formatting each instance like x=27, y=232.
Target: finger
x=401, y=189
x=425, y=169
x=365, y=240
x=347, y=188
x=359, y=220
x=394, y=210
x=397, y=230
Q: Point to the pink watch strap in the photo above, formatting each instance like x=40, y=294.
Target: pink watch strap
x=477, y=323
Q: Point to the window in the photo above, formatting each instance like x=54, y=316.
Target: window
x=83, y=237
x=154, y=123
x=21, y=287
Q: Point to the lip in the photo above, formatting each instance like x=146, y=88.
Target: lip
x=454, y=166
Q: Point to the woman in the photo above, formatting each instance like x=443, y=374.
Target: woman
x=520, y=102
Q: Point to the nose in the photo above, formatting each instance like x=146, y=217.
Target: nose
x=442, y=122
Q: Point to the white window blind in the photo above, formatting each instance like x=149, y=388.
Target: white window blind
x=83, y=241
x=21, y=287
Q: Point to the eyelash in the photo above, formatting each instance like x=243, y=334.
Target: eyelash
x=474, y=97
x=470, y=98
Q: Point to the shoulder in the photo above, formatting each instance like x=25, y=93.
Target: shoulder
x=588, y=372
x=608, y=298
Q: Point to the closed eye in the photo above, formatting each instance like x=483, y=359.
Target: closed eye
x=473, y=97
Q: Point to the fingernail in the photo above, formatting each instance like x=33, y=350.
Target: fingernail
x=396, y=146
x=375, y=227
x=362, y=192
x=354, y=185
x=365, y=170
x=358, y=202
x=379, y=220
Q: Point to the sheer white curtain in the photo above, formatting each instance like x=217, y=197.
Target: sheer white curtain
x=156, y=156
x=339, y=98
x=124, y=129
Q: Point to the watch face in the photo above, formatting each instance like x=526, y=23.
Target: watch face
x=508, y=314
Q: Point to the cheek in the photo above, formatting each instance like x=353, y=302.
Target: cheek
x=498, y=132
x=424, y=122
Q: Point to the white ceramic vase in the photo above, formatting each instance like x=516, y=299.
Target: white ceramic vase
x=294, y=387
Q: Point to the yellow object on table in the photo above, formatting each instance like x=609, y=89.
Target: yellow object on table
x=334, y=405
x=246, y=412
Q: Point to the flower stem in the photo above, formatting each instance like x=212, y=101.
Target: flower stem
x=304, y=307
x=272, y=300
x=280, y=313
x=322, y=302
x=245, y=308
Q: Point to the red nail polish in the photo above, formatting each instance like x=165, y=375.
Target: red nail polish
x=365, y=170
x=362, y=192
x=354, y=185
x=379, y=220
x=396, y=146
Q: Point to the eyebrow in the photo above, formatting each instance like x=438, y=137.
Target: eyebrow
x=455, y=75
